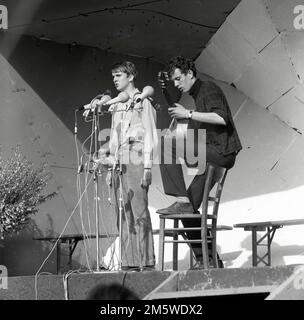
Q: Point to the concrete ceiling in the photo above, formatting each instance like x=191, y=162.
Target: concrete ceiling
x=155, y=29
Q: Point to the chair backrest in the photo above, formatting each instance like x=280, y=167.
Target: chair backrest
x=215, y=176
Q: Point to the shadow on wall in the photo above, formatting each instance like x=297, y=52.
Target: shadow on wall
x=31, y=254
x=21, y=247
x=66, y=77
x=243, y=258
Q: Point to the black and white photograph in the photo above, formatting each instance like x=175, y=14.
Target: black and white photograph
x=152, y=151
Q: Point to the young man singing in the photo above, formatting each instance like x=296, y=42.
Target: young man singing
x=133, y=138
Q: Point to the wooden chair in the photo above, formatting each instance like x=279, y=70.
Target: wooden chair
x=215, y=176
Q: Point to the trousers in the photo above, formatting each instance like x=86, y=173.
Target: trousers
x=132, y=198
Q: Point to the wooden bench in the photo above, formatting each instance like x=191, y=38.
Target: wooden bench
x=72, y=240
x=270, y=228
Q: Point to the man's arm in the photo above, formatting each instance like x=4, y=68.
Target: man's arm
x=180, y=112
x=208, y=117
x=115, y=129
x=215, y=102
x=150, y=134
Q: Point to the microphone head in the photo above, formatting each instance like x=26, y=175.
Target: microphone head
x=147, y=91
x=104, y=99
x=108, y=93
x=102, y=104
x=123, y=97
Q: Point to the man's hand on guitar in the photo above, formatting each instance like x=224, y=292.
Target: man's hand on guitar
x=178, y=112
x=163, y=77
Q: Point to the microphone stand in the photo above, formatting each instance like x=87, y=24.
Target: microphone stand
x=96, y=188
x=120, y=214
x=120, y=210
x=119, y=160
x=95, y=172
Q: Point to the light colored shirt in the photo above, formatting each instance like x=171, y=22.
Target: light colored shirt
x=134, y=129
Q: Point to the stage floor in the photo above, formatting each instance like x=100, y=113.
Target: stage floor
x=150, y=284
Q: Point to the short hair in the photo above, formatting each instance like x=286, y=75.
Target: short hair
x=126, y=67
x=114, y=291
x=182, y=63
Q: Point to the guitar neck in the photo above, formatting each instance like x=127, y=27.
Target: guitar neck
x=168, y=98
x=162, y=75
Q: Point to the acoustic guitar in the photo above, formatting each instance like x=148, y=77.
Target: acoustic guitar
x=178, y=127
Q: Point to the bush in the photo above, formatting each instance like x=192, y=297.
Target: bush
x=21, y=191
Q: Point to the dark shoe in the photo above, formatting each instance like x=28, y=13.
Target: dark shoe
x=177, y=207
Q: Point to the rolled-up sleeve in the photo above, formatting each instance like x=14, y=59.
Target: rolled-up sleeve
x=115, y=131
x=215, y=101
x=150, y=133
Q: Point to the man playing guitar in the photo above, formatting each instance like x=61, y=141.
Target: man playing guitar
x=212, y=113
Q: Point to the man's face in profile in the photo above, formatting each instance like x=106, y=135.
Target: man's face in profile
x=181, y=80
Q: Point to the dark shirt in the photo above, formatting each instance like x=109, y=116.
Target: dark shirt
x=209, y=97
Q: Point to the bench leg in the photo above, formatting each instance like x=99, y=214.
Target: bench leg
x=72, y=246
x=161, y=244
x=175, y=247
x=256, y=259
x=58, y=249
x=269, y=239
x=254, y=248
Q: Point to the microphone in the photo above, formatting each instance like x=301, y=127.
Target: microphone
x=98, y=101
x=85, y=107
x=122, y=97
x=147, y=92
x=103, y=102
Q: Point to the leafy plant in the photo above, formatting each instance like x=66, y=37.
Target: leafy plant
x=21, y=191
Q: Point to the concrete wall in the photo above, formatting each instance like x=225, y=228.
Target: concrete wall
x=258, y=50
x=41, y=84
